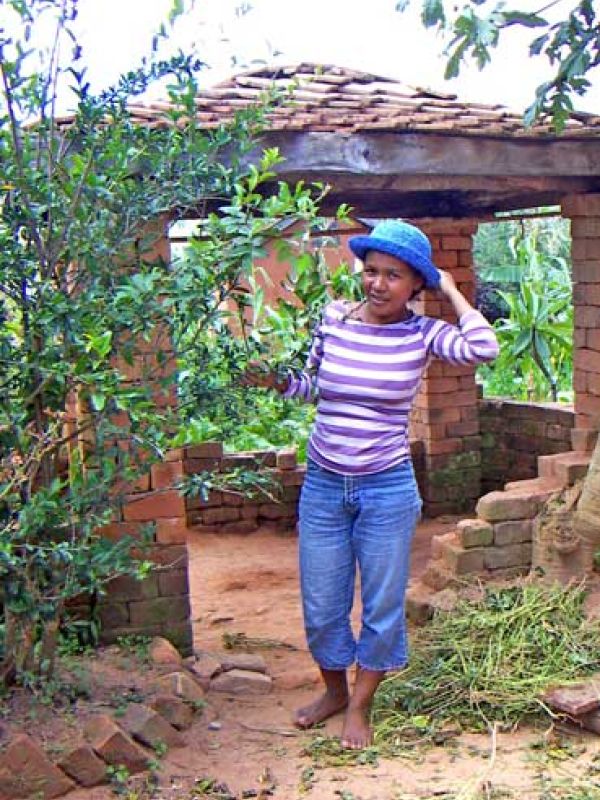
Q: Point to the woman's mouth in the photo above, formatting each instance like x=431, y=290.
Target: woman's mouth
x=377, y=299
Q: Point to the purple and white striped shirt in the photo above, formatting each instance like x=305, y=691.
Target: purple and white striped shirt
x=366, y=377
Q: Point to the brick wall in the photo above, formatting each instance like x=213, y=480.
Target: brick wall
x=584, y=213
x=514, y=434
x=445, y=416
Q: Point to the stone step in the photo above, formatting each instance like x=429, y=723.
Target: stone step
x=567, y=467
x=520, y=500
x=541, y=485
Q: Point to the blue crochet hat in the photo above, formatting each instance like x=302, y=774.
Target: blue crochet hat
x=402, y=240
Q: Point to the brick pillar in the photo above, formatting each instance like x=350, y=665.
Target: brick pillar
x=445, y=415
x=159, y=604
x=584, y=213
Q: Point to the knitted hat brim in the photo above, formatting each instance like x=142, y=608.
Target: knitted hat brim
x=360, y=246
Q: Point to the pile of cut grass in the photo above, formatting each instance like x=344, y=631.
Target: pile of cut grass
x=489, y=663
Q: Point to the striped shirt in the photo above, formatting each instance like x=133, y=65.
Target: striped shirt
x=365, y=378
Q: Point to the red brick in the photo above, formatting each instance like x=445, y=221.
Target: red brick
x=165, y=398
x=84, y=766
x=459, y=561
x=171, y=531
x=593, y=383
x=277, y=510
x=161, y=611
x=580, y=381
x=293, y=477
x=177, y=454
x=248, y=460
x=583, y=440
x=469, y=412
x=149, y=728
x=557, y=433
x=467, y=428
x=581, y=205
x=287, y=459
x=512, y=532
x=26, y=772
x=575, y=700
x=205, y=450
x=515, y=555
x=585, y=228
x=457, y=243
x=580, y=338
x=446, y=259
x=437, y=385
x=113, y=615
x=592, y=339
x=115, y=531
x=168, y=555
x=113, y=745
x=173, y=583
x=212, y=500
x=155, y=505
x=587, y=316
x=241, y=526
x=587, y=294
x=123, y=487
x=588, y=404
x=444, y=446
x=166, y=474
x=222, y=514
x=249, y=511
x=586, y=271
x=179, y=714
x=499, y=506
x=233, y=499
x=464, y=276
x=587, y=421
x=474, y=533
x=126, y=587
x=192, y=466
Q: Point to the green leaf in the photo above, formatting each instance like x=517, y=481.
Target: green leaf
x=98, y=401
x=523, y=18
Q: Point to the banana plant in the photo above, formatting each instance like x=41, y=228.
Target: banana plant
x=537, y=334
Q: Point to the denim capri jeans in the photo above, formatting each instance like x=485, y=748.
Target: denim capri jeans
x=350, y=520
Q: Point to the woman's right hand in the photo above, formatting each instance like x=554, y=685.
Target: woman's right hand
x=258, y=374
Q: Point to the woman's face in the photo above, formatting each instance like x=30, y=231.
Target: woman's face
x=388, y=283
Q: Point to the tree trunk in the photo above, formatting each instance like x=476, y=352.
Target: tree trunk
x=586, y=522
x=566, y=533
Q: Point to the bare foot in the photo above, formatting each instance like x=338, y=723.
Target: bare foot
x=357, y=733
x=324, y=707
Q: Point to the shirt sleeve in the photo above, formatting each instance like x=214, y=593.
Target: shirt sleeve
x=473, y=341
x=303, y=384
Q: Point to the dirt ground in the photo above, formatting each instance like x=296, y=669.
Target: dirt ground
x=248, y=585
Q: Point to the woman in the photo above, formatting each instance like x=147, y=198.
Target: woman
x=360, y=503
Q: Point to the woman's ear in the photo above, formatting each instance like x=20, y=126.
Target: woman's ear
x=417, y=292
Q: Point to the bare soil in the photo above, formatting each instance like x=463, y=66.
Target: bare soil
x=247, y=585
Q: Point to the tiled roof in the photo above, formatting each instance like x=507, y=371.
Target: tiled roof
x=330, y=98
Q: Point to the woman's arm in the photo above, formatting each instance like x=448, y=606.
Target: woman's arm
x=300, y=384
x=473, y=341
x=448, y=288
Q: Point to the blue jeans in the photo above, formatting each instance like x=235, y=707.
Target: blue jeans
x=367, y=520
